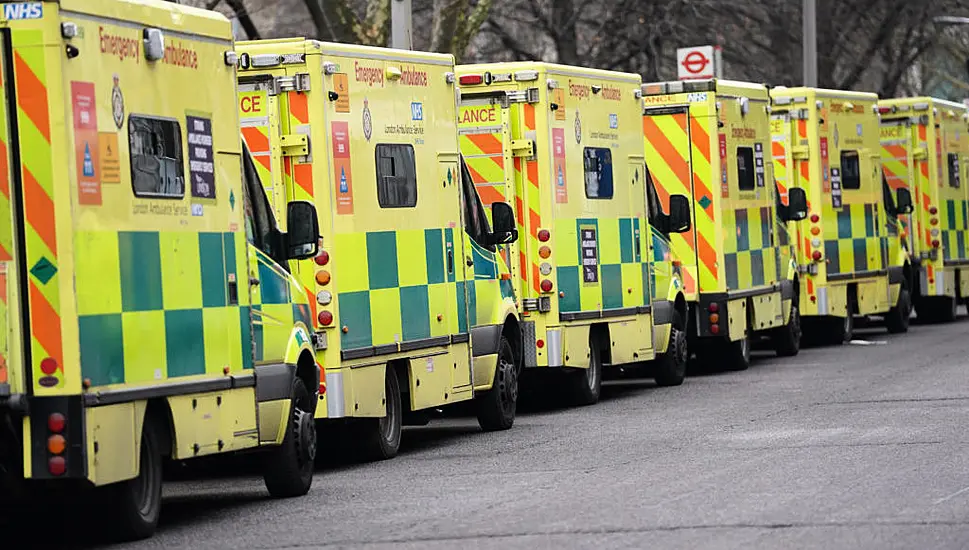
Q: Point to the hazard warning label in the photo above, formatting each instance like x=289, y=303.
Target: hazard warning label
x=86, y=142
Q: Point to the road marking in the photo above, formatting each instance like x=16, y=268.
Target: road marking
x=953, y=495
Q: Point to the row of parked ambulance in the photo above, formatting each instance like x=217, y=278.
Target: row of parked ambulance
x=395, y=234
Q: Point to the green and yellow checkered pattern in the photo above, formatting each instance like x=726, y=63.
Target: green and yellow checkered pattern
x=153, y=306
x=750, y=259
x=956, y=225
x=855, y=243
x=623, y=276
x=410, y=285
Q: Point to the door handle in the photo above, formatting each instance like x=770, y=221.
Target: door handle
x=253, y=281
x=450, y=261
x=469, y=262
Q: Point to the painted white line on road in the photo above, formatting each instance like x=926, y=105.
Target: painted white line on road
x=953, y=495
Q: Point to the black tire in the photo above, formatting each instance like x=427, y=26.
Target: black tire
x=496, y=407
x=737, y=354
x=133, y=506
x=379, y=438
x=787, y=339
x=585, y=385
x=947, y=309
x=841, y=330
x=897, y=319
x=288, y=469
x=670, y=367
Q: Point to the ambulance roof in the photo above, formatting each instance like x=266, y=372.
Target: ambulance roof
x=309, y=46
x=822, y=92
x=930, y=100
x=160, y=14
x=552, y=69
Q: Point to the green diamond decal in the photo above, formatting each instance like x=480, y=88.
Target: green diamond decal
x=449, y=176
x=705, y=201
x=43, y=270
x=232, y=199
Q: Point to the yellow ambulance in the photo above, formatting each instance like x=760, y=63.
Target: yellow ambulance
x=412, y=303
x=563, y=144
x=848, y=249
x=710, y=140
x=925, y=149
x=146, y=310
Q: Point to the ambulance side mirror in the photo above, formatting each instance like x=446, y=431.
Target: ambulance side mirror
x=903, y=201
x=796, y=204
x=503, y=219
x=679, y=217
x=302, y=239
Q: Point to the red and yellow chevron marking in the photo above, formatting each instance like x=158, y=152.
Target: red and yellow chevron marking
x=895, y=166
x=779, y=153
x=706, y=219
x=484, y=156
x=532, y=199
x=667, y=150
x=6, y=211
x=38, y=191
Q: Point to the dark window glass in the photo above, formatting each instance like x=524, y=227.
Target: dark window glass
x=476, y=222
x=745, y=169
x=953, y=170
x=396, y=176
x=850, y=170
x=261, y=229
x=598, y=172
x=155, y=148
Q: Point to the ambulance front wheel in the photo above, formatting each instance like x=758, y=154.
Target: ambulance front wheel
x=135, y=505
x=288, y=469
x=671, y=366
x=787, y=339
x=496, y=407
x=380, y=437
x=585, y=385
x=897, y=319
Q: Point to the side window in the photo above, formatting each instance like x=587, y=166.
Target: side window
x=887, y=197
x=396, y=176
x=745, y=168
x=953, y=170
x=476, y=222
x=598, y=172
x=850, y=170
x=652, y=200
x=155, y=148
x=261, y=230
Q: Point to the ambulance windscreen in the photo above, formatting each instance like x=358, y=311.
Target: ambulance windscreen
x=155, y=146
x=598, y=172
x=396, y=176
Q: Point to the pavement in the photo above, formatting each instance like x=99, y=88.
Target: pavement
x=859, y=446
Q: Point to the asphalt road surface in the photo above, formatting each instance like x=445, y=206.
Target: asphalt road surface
x=861, y=446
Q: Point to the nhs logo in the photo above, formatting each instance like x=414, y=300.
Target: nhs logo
x=613, y=121
x=417, y=111
x=23, y=10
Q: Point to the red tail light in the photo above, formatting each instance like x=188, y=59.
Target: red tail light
x=714, y=329
x=56, y=423
x=713, y=307
x=322, y=258
x=544, y=235
x=933, y=210
x=935, y=243
x=56, y=465
x=546, y=286
x=816, y=255
x=48, y=366
x=470, y=79
x=815, y=218
x=325, y=318
x=539, y=343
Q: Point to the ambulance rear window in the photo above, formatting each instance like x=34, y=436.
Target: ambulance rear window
x=155, y=146
x=598, y=172
x=953, y=170
x=396, y=176
x=745, y=168
x=850, y=170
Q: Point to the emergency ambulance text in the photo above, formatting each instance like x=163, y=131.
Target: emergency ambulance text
x=612, y=94
x=371, y=75
x=475, y=116
x=180, y=56
x=412, y=77
x=580, y=91
x=121, y=46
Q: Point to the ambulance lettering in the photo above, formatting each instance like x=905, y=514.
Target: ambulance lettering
x=581, y=91
x=410, y=76
x=612, y=94
x=181, y=56
x=372, y=76
x=477, y=116
x=120, y=46
x=23, y=10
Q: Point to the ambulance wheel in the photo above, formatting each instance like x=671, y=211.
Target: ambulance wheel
x=737, y=354
x=585, y=385
x=946, y=309
x=897, y=318
x=134, y=505
x=787, y=339
x=380, y=437
x=671, y=366
x=840, y=329
x=496, y=407
x=288, y=469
